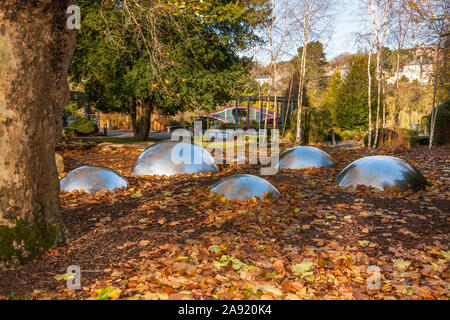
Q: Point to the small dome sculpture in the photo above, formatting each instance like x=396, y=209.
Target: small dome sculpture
x=171, y=158
x=304, y=157
x=244, y=187
x=91, y=179
x=381, y=172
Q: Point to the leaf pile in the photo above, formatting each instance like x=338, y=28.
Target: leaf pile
x=170, y=238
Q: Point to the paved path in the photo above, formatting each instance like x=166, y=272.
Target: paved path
x=129, y=134
x=343, y=145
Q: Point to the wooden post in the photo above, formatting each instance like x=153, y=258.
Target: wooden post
x=282, y=119
x=260, y=115
x=236, y=119
x=276, y=115
x=248, y=113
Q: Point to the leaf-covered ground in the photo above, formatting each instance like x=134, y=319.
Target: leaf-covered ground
x=169, y=238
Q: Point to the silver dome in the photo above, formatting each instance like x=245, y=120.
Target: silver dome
x=244, y=187
x=381, y=172
x=92, y=178
x=170, y=158
x=304, y=157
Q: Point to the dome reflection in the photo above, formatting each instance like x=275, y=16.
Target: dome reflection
x=92, y=178
x=304, y=157
x=170, y=158
x=381, y=172
x=244, y=187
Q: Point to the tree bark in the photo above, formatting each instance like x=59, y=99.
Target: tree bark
x=140, y=119
x=383, y=93
x=301, y=86
x=379, y=71
x=369, y=100
x=395, y=120
x=36, y=48
x=301, y=83
x=435, y=107
x=288, y=106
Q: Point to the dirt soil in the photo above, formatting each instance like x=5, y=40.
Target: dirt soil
x=169, y=238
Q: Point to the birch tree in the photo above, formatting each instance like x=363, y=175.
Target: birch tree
x=277, y=36
x=311, y=21
x=378, y=11
x=432, y=17
x=399, y=33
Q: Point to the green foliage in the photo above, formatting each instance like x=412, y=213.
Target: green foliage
x=317, y=125
x=83, y=126
x=315, y=76
x=71, y=107
x=68, y=132
x=442, y=127
x=419, y=140
x=330, y=96
x=355, y=135
x=351, y=98
x=195, y=64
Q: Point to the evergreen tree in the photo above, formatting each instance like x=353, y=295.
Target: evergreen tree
x=351, y=100
x=163, y=56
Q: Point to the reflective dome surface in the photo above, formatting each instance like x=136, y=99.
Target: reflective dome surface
x=381, y=172
x=244, y=187
x=92, y=178
x=303, y=157
x=170, y=158
x=239, y=158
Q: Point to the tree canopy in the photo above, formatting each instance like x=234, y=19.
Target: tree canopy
x=138, y=56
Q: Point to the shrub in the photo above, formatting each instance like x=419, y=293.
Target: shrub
x=385, y=136
x=419, y=140
x=83, y=126
x=317, y=125
x=337, y=137
x=351, y=134
x=68, y=132
x=390, y=140
x=442, y=128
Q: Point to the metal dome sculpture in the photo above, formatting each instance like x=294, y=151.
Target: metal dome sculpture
x=92, y=178
x=244, y=187
x=171, y=158
x=381, y=172
x=304, y=157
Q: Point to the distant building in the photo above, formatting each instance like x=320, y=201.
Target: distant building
x=416, y=70
x=342, y=70
x=263, y=79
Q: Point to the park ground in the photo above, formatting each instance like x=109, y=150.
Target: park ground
x=169, y=238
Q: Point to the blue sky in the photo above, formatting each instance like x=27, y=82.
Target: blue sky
x=346, y=22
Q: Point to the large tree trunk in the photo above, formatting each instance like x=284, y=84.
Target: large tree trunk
x=35, y=52
x=140, y=119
